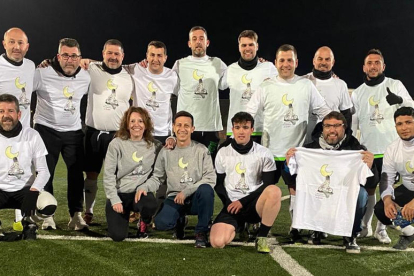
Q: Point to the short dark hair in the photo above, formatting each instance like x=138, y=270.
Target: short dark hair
x=184, y=114
x=115, y=42
x=68, y=42
x=196, y=28
x=285, y=48
x=10, y=99
x=404, y=111
x=250, y=34
x=241, y=117
x=158, y=45
x=374, y=52
x=336, y=115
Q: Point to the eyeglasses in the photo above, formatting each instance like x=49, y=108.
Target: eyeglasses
x=328, y=126
x=66, y=57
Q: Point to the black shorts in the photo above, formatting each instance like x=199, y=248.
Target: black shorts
x=96, y=146
x=289, y=179
x=247, y=214
x=13, y=200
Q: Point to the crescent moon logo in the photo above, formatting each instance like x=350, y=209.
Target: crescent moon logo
x=151, y=88
x=18, y=84
x=372, y=101
x=135, y=158
x=181, y=164
x=111, y=85
x=238, y=170
x=324, y=172
x=408, y=167
x=197, y=77
x=245, y=80
x=66, y=92
x=9, y=154
x=286, y=101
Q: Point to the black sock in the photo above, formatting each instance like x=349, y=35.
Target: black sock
x=263, y=230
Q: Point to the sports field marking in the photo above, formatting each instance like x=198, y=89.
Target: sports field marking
x=363, y=247
x=285, y=197
x=288, y=263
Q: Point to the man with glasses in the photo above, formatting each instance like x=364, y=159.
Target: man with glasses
x=60, y=88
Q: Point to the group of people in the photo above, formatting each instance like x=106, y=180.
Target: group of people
x=272, y=114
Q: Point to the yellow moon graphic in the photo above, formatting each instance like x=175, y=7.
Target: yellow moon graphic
x=9, y=154
x=195, y=76
x=245, y=80
x=181, y=164
x=324, y=172
x=111, y=85
x=135, y=158
x=372, y=101
x=66, y=92
x=151, y=88
x=238, y=170
x=286, y=101
x=18, y=84
x=408, y=167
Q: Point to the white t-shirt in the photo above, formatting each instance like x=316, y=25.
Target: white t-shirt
x=200, y=80
x=243, y=171
x=242, y=84
x=327, y=187
x=18, y=155
x=18, y=81
x=58, y=98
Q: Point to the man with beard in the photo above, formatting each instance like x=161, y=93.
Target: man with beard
x=375, y=102
x=60, y=88
x=398, y=158
x=244, y=76
x=16, y=78
x=334, y=90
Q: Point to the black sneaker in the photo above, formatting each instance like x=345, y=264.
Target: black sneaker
x=404, y=242
x=351, y=246
x=179, y=231
x=295, y=237
x=201, y=240
x=315, y=238
x=244, y=233
x=29, y=231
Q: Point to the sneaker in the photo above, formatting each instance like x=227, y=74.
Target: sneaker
x=403, y=242
x=142, y=229
x=49, y=224
x=201, y=240
x=1, y=230
x=179, y=231
x=315, y=238
x=29, y=231
x=244, y=233
x=296, y=237
x=351, y=246
x=382, y=236
x=261, y=245
x=324, y=235
x=88, y=218
x=365, y=232
x=77, y=223
x=18, y=226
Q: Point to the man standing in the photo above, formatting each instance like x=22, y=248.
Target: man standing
x=333, y=90
x=244, y=77
x=16, y=78
x=375, y=102
x=200, y=78
x=19, y=185
x=60, y=88
x=190, y=181
x=108, y=98
x=246, y=185
x=398, y=158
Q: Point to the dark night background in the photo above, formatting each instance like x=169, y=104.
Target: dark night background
x=350, y=28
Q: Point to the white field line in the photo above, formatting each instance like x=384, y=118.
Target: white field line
x=288, y=263
x=285, y=197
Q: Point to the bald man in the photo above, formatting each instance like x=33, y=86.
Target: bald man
x=333, y=89
x=16, y=78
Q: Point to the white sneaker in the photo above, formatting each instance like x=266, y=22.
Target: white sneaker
x=382, y=236
x=77, y=223
x=49, y=224
x=365, y=232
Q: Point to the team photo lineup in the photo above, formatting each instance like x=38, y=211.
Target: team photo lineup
x=334, y=150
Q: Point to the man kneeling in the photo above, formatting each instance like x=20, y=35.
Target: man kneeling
x=249, y=194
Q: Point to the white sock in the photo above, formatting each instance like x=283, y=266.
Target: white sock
x=380, y=227
x=91, y=188
x=292, y=205
x=407, y=231
x=367, y=219
x=18, y=215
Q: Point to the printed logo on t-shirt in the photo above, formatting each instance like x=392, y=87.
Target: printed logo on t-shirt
x=23, y=101
x=152, y=101
x=200, y=90
x=241, y=184
x=247, y=94
x=111, y=100
x=15, y=169
x=69, y=104
x=184, y=177
x=376, y=116
x=138, y=169
x=290, y=115
x=325, y=187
